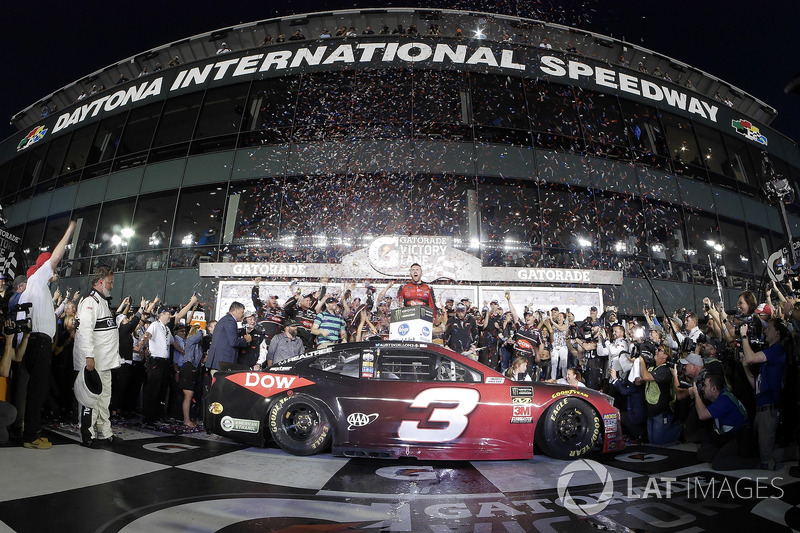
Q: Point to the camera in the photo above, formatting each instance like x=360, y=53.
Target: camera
x=22, y=325
x=688, y=345
x=755, y=330
x=646, y=350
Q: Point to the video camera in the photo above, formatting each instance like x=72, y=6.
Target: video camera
x=646, y=350
x=22, y=325
x=755, y=331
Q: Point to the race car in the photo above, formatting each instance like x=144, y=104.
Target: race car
x=391, y=399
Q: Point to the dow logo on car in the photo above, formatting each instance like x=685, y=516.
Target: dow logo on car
x=357, y=420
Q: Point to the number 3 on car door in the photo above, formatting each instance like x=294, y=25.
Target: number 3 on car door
x=465, y=400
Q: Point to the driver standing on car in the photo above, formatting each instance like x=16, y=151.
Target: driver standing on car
x=416, y=292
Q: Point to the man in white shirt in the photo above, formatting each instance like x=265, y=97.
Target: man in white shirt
x=160, y=339
x=38, y=356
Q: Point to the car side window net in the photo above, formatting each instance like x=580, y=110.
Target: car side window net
x=345, y=363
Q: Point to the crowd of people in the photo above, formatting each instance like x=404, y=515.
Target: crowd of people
x=721, y=380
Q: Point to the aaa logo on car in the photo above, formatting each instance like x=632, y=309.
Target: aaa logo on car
x=267, y=385
x=358, y=420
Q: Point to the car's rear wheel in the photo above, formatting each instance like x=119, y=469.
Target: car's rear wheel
x=300, y=425
x=569, y=429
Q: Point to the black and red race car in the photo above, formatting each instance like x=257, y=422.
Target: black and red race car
x=402, y=399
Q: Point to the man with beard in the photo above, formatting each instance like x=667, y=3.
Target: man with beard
x=416, y=292
x=285, y=345
x=303, y=310
x=255, y=348
x=97, y=348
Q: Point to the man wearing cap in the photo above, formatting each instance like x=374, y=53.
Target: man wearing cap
x=329, y=326
x=416, y=292
x=284, y=345
x=38, y=356
x=304, y=309
x=461, y=334
x=19, y=285
x=255, y=349
x=97, y=348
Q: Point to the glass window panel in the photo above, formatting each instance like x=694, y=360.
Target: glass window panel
x=324, y=105
x=32, y=241
x=178, y=119
x=86, y=228
x=75, y=158
x=712, y=150
x=703, y=236
x=510, y=224
x=17, y=170
x=761, y=247
x=645, y=134
x=139, y=129
x=222, y=111
x=666, y=241
x=106, y=139
x=682, y=144
x=114, y=217
x=569, y=225
x=381, y=97
x=198, y=219
x=441, y=206
x=739, y=165
x=439, y=97
x=54, y=158
x=4, y=169
x=152, y=221
x=34, y=165
x=735, y=249
x=498, y=101
x=601, y=118
x=552, y=108
x=253, y=214
x=54, y=230
x=272, y=103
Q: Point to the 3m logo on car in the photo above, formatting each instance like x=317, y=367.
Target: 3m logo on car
x=267, y=385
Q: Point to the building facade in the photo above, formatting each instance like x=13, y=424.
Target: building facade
x=526, y=145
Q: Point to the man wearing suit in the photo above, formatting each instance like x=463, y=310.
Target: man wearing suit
x=226, y=342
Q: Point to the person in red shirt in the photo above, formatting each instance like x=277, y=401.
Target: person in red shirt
x=416, y=292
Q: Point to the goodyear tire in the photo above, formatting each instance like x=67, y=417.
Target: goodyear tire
x=569, y=429
x=299, y=425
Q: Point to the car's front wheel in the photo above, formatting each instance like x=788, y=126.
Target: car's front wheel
x=569, y=429
x=300, y=425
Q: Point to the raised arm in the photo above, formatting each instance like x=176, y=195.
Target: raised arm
x=58, y=252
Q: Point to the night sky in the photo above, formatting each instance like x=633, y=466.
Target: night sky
x=51, y=44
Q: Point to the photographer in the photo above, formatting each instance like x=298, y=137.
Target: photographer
x=767, y=385
x=726, y=447
x=660, y=398
x=634, y=419
x=8, y=413
x=745, y=305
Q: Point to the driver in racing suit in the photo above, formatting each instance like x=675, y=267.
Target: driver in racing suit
x=416, y=292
